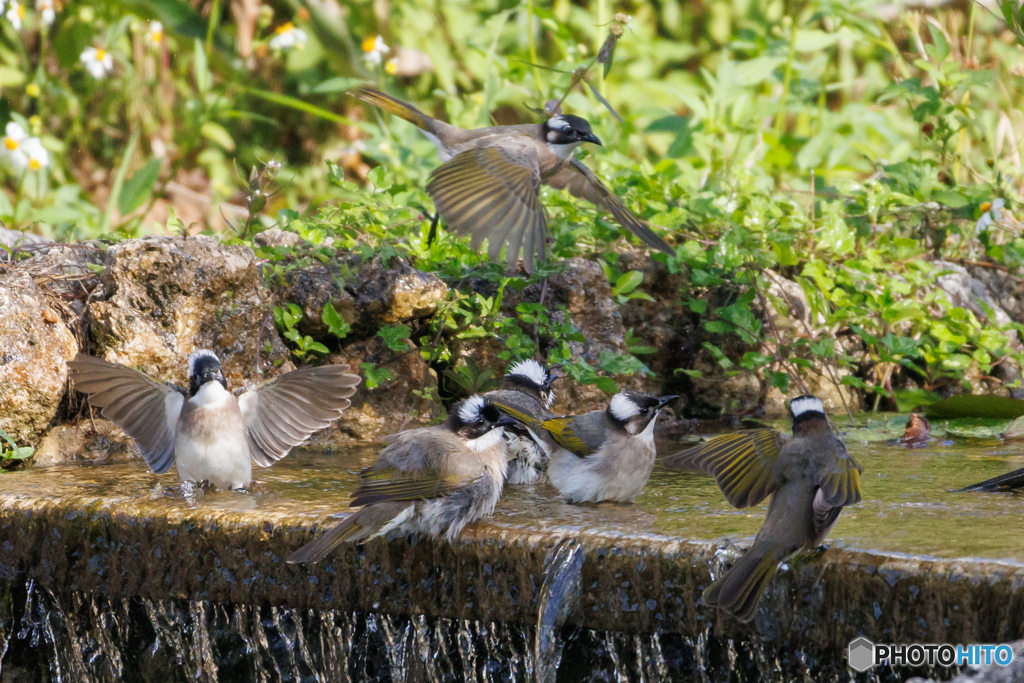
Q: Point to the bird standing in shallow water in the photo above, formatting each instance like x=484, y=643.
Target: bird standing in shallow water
x=208, y=433
x=431, y=480
x=488, y=185
x=810, y=478
x=526, y=394
x=606, y=454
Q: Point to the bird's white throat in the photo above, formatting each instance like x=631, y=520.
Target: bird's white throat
x=488, y=440
x=647, y=436
x=563, y=152
x=210, y=395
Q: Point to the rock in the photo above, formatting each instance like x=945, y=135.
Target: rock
x=968, y=292
x=169, y=296
x=394, y=293
x=311, y=288
x=35, y=346
x=276, y=237
x=64, y=270
x=1005, y=288
x=819, y=384
x=12, y=238
x=391, y=406
x=715, y=392
x=65, y=444
x=587, y=295
x=368, y=296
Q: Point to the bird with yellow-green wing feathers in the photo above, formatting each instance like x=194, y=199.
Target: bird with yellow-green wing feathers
x=431, y=480
x=810, y=478
x=605, y=454
x=526, y=393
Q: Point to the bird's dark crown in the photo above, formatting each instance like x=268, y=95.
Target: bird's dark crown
x=474, y=417
x=530, y=377
x=566, y=129
x=203, y=367
x=805, y=410
x=636, y=408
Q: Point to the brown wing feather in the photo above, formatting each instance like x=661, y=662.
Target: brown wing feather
x=145, y=409
x=282, y=413
x=581, y=182
x=492, y=193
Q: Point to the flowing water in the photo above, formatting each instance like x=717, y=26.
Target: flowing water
x=75, y=636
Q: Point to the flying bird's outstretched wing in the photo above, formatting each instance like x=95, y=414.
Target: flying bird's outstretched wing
x=145, y=409
x=581, y=182
x=493, y=193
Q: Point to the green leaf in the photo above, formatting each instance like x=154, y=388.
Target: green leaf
x=669, y=124
x=300, y=105
x=201, y=67
x=951, y=199
x=375, y=377
x=11, y=77
x=628, y=282
x=940, y=46
x=394, y=337
x=138, y=188
x=970, y=405
x=115, y=190
x=337, y=84
x=217, y=133
x=336, y=324
x=910, y=399
x=607, y=385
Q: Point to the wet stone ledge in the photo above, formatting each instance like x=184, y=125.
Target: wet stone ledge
x=83, y=549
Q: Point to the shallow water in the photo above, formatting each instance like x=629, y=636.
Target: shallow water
x=907, y=508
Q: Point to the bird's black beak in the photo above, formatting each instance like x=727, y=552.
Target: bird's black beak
x=506, y=421
x=593, y=138
x=666, y=399
x=551, y=372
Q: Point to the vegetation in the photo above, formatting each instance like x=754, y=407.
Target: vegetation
x=856, y=149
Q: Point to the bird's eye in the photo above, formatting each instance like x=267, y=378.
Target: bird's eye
x=644, y=411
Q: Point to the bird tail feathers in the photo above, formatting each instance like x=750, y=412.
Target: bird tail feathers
x=740, y=588
x=393, y=106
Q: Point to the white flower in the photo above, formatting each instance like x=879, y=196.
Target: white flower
x=15, y=14
x=24, y=152
x=14, y=144
x=97, y=61
x=155, y=34
x=47, y=12
x=992, y=212
x=38, y=157
x=375, y=49
x=286, y=36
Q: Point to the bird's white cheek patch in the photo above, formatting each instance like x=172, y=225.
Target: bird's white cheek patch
x=488, y=440
x=622, y=407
